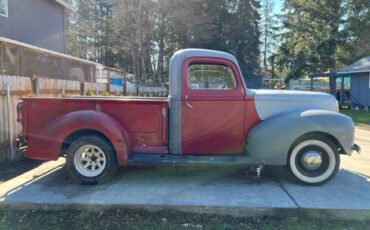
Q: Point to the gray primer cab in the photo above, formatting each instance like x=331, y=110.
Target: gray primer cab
x=175, y=93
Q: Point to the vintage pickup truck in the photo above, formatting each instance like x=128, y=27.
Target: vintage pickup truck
x=210, y=117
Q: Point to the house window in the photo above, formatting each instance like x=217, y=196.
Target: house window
x=4, y=8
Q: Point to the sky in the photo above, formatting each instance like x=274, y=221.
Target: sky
x=278, y=6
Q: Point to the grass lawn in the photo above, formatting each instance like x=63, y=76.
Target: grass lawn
x=361, y=117
x=121, y=219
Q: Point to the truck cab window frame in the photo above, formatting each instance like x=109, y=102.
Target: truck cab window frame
x=210, y=76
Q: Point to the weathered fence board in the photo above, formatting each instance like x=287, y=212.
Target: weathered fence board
x=152, y=91
x=116, y=90
x=55, y=87
x=96, y=88
x=19, y=86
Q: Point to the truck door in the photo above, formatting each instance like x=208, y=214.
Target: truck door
x=212, y=120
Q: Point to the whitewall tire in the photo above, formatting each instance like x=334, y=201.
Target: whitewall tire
x=314, y=159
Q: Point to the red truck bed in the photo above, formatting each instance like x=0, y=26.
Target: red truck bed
x=144, y=119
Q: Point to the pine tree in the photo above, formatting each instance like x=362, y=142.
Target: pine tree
x=244, y=34
x=141, y=35
x=356, y=31
x=89, y=31
x=323, y=35
x=268, y=30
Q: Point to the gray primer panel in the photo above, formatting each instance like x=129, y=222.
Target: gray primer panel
x=175, y=93
x=270, y=103
x=271, y=140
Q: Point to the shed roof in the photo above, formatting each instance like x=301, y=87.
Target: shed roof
x=360, y=66
x=45, y=51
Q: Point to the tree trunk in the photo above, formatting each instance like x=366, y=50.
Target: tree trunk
x=158, y=75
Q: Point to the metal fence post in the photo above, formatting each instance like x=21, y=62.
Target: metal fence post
x=35, y=85
x=64, y=88
x=82, y=88
x=108, y=82
x=125, y=84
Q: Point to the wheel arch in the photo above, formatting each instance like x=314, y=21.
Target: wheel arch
x=103, y=125
x=320, y=134
x=280, y=132
x=80, y=133
x=48, y=143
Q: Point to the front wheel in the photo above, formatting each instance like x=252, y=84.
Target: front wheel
x=314, y=159
x=91, y=159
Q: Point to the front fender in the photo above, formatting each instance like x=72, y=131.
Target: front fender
x=46, y=144
x=271, y=140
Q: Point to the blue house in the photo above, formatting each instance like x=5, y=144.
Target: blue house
x=359, y=72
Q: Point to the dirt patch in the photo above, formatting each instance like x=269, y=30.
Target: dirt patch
x=363, y=126
x=11, y=169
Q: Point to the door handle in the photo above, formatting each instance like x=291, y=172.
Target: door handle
x=188, y=105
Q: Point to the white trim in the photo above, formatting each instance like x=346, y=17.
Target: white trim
x=349, y=72
x=369, y=80
x=6, y=9
x=66, y=5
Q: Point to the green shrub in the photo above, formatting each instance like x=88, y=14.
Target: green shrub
x=31, y=95
x=105, y=94
x=89, y=92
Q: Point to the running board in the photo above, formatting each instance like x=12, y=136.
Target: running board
x=170, y=159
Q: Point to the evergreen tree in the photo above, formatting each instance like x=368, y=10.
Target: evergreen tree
x=356, y=32
x=89, y=31
x=268, y=28
x=141, y=35
x=322, y=35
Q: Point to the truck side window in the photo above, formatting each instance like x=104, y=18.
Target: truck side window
x=210, y=76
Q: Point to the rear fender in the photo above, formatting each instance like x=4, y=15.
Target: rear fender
x=270, y=141
x=47, y=143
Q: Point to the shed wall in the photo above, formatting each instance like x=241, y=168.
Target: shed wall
x=360, y=90
x=36, y=22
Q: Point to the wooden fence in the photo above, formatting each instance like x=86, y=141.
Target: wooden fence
x=14, y=87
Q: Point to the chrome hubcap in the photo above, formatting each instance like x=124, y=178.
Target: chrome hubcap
x=90, y=160
x=311, y=160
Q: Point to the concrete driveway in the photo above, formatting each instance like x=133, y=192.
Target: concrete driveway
x=203, y=189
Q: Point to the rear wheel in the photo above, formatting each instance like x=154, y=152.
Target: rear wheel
x=314, y=159
x=91, y=159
